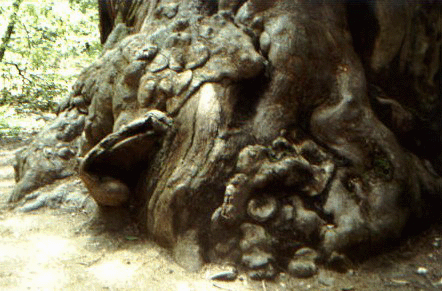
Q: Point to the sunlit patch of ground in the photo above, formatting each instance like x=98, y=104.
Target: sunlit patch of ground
x=14, y=123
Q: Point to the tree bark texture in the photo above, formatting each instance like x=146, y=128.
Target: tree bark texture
x=251, y=130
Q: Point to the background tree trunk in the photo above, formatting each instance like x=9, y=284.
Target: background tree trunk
x=10, y=29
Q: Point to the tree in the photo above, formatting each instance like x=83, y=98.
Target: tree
x=260, y=132
x=32, y=76
x=10, y=29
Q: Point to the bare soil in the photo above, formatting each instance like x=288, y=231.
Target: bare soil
x=50, y=249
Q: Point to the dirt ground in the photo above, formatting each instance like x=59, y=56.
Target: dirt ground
x=49, y=249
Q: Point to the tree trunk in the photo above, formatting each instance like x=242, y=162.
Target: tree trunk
x=251, y=130
x=10, y=29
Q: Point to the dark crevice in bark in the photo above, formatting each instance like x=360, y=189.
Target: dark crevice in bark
x=363, y=27
x=208, y=7
x=249, y=93
x=107, y=17
x=423, y=139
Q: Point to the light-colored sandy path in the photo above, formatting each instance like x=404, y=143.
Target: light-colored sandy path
x=43, y=250
x=6, y=173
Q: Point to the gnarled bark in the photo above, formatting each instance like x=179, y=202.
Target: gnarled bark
x=263, y=132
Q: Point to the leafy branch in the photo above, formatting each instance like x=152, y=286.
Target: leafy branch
x=45, y=46
x=20, y=71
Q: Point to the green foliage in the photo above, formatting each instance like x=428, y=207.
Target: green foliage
x=84, y=5
x=6, y=129
x=51, y=43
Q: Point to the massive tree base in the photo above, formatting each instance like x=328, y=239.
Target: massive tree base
x=263, y=133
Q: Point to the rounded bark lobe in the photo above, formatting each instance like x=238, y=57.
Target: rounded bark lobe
x=252, y=131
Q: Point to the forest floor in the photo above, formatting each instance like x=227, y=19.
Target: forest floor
x=50, y=249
